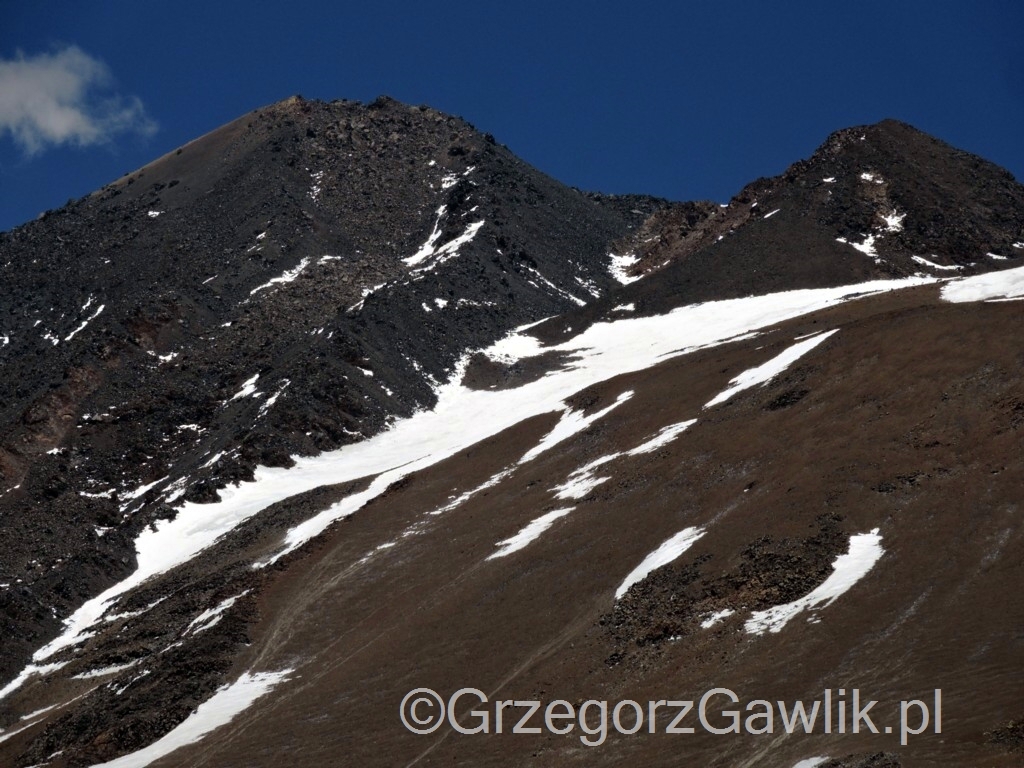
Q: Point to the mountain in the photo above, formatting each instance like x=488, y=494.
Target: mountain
x=340, y=401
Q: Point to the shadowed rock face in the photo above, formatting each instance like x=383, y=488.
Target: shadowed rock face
x=306, y=276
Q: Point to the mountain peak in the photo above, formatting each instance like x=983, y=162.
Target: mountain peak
x=311, y=410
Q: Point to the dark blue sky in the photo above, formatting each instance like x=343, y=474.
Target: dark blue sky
x=683, y=100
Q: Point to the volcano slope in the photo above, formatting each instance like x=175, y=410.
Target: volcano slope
x=778, y=485
x=282, y=286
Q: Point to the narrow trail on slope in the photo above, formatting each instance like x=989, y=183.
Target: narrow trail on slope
x=572, y=629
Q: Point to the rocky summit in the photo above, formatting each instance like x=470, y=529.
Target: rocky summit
x=345, y=401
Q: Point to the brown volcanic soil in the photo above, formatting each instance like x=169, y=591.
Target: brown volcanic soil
x=908, y=420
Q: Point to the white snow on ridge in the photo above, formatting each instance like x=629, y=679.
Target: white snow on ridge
x=716, y=617
x=427, y=249
x=273, y=398
x=564, y=294
x=665, y=436
x=317, y=186
x=463, y=498
x=248, y=388
x=1006, y=284
x=847, y=570
x=447, y=251
x=85, y=322
x=130, y=496
x=440, y=254
x=867, y=247
x=366, y=292
x=571, y=423
x=211, y=616
x=619, y=265
x=932, y=265
x=582, y=481
x=105, y=671
x=894, y=221
x=461, y=418
x=765, y=372
x=223, y=707
x=287, y=277
x=531, y=532
x=669, y=550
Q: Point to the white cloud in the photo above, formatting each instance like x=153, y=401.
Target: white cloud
x=64, y=97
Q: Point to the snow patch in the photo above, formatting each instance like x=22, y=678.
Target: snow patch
x=457, y=501
x=529, y=533
x=442, y=254
x=716, y=617
x=273, y=399
x=317, y=186
x=287, y=277
x=932, y=265
x=248, y=388
x=130, y=496
x=894, y=221
x=105, y=671
x=765, y=372
x=101, y=495
x=847, y=570
x=867, y=247
x=427, y=249
x=582, y=481
x=85, y=322
x=664, y=437
x=563, y=293
x=571, y=423
x=211, y=616
x=669, y=550
x=618, y=266
x=1006, y=284
x=213, y=460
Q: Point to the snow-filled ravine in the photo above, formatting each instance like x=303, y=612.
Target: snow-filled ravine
x=461, y=418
